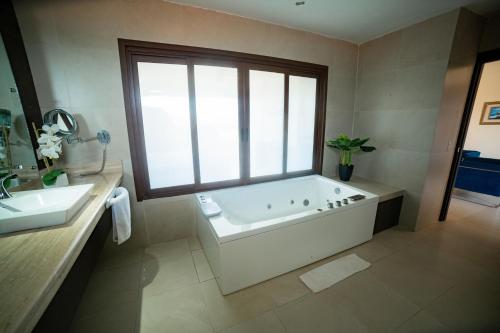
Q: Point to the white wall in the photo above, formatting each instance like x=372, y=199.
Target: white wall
x=485, y=138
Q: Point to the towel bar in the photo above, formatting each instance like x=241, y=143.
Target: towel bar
x=111, y=196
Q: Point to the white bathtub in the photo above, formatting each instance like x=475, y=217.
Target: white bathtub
x=269, y=229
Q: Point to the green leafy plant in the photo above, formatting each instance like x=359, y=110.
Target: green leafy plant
x=50, y=177
x=348, y=146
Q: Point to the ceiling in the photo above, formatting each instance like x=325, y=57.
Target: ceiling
x=356, y=21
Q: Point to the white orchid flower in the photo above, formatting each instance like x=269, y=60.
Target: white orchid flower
x=44, y=138
x=50, y=144
x=51, y=149
x=50, y=130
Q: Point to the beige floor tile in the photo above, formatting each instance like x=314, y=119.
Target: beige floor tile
x=284, y=288
x=229, y=310
x=423, y=322
x=177, y=310
x=377, y=305
x=450, y=266
x=418, y=284
x=194, y=243
x=466, y=309
x=266, y=323
x=119, y=258
x=451, y=270
x=465, y=242
x=395, y=239
x=202, y=267
x=160, y=275
x=460, y=209
x=371, y=251
x=121, y=318
x=167, y=250
x=312, y=314
x=109, y=288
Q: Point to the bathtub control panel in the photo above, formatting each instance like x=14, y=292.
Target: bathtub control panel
x=208, y=206
x=344, y=201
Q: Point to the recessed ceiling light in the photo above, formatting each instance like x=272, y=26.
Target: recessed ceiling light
x=300, y=3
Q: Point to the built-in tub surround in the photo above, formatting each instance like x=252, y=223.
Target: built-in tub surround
x=269, y=229
x=36, y=262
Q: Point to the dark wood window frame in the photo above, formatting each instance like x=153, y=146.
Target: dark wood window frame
x=132, y=51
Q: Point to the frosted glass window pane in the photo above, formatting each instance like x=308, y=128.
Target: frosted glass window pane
x=301, y=114
x=217, y=122
x=166, y=120
x=267, y=93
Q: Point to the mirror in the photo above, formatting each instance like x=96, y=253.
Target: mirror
x=16, y=149
x=68, y=126
x=20, y=111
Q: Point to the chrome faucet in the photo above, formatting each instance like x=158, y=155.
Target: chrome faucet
x=4, y=193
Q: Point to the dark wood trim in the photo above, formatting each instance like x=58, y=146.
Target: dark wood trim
x=285, y=123
x=243, y=104
x=193, y=124
x=319, y=123
x=161, y=49
x=14, y=46
x=270, y=178
x=482, y=58
x=131, y=51
x=138, y=129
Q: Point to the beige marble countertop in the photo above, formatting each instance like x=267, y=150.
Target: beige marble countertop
x=34, y=263
x=385, y=192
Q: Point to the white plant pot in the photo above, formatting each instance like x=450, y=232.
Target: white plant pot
x=61, y=180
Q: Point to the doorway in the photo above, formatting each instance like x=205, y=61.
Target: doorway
x=475, y=169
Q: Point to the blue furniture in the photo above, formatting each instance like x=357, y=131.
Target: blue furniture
x=471, y=153
x=478, y=174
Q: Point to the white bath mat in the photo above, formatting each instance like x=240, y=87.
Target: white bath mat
x=335, y=271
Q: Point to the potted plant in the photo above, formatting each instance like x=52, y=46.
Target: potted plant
x=347, y=147
x=51, y=147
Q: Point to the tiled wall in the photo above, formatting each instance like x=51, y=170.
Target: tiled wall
x=400, y=80
x=456, y=85
x=73, y=54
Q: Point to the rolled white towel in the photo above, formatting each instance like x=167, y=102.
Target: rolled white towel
x=120, y=205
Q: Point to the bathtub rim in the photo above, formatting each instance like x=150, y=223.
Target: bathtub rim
x=216, y=222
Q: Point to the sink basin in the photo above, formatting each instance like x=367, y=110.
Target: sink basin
x=42, y=208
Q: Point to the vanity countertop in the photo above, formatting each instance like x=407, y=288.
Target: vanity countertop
x=34, y=263
x=384, y=191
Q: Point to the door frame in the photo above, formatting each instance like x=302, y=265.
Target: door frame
x=482, y=58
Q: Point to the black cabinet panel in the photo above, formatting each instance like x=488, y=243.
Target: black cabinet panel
x=61, y=310
x=388, y=214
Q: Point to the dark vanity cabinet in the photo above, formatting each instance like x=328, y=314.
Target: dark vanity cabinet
x=61, y=310
x=388, y=214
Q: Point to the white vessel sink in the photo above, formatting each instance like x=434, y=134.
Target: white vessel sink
x=42, y=208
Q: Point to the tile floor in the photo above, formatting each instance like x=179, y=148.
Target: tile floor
x=445, y=278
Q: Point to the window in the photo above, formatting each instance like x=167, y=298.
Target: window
x=201, y=119
x=267, y=113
